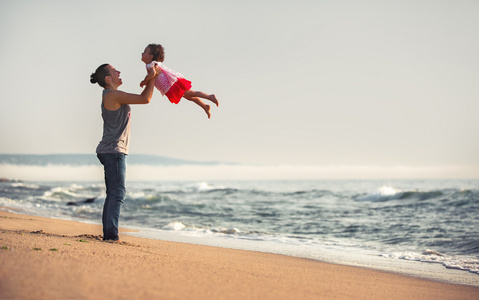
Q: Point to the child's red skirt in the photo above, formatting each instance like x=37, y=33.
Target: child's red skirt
x=177, y=90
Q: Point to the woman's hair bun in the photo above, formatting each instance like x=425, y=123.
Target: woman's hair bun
x=93, y=78
x=100, y=74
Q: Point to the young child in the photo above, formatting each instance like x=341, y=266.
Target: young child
x=171, y=83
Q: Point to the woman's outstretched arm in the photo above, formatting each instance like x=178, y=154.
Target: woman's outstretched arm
x=114, y=99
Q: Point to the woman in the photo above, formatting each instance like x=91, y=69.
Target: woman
x=113, y=147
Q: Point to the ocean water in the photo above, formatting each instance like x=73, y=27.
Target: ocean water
x=398, y=225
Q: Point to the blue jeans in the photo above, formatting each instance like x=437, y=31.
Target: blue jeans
x=115, y=171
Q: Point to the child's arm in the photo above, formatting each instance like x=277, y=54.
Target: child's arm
x=148, y=77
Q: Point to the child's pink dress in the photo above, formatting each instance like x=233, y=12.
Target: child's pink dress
x=170, y=83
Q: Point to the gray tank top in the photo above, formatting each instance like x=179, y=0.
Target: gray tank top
x=116, y=129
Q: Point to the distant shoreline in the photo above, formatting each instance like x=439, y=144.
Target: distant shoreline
x=91, y=159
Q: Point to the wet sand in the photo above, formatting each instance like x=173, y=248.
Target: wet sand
x=43, y=258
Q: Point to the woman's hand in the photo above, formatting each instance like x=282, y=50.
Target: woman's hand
x=153, y=73
x=157, y=71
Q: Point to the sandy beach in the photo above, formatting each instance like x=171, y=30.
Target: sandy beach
x=43, y=258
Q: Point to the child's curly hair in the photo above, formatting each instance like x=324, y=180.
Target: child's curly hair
x=157, y=51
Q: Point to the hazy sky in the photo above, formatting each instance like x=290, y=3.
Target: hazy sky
x=323, y=82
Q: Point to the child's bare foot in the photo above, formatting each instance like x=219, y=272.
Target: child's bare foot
x=207, y=110
x=213, y=99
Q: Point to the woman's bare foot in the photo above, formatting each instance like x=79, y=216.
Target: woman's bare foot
x=207, y=110
x=213, y=99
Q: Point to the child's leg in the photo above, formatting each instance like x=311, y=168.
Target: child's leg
x=190, y=95
x=211, y=97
